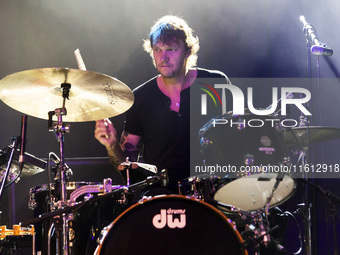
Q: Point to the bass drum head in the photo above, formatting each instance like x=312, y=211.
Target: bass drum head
x=251, y=193
x=171, y=224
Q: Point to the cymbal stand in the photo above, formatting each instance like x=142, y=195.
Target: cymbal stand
x=59, y=129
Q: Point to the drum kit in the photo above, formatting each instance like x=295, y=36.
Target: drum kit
x=101, y=218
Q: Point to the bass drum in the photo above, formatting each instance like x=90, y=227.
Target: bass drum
x=170, y=224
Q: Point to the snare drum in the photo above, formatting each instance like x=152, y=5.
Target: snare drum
x=170, y=224
x=250, y=193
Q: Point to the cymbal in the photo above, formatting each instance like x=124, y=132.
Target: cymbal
x=93, y=96
x=316, y=135
x=32, y=164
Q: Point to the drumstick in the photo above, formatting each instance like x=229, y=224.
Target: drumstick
x=106, y=122
x=81, y=66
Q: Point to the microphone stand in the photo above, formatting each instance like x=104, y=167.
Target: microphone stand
x=314, y=46
x=307, y=235
x=334, y=201
x=15, y=143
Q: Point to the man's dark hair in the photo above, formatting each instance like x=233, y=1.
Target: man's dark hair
x=172, y=29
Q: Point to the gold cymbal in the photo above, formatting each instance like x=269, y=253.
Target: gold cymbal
x=93, y=96
x=298, y=136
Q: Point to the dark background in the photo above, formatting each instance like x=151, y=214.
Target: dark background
x=242, y=38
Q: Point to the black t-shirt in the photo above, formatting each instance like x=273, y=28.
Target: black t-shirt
x=165, y=133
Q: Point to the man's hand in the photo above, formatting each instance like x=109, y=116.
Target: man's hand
x=105, y=133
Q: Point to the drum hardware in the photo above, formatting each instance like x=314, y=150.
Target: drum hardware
x=199, y=187
x=259, y=234
x=263, y=231
x=70, y=210
x=106, y=187
x=127, y=165
x=76, y=206
x=194, y=189
x=68, y=213
x=59, y=129
x=45, y=195
x=248, y=160
x=255, y=240
x=162, y=177
x=55, y=200
x=115, y=190
x=89, y=90
x=49, y=236
x=334, y=202
x=255, y=228
x=16, y=231
x=142, y=168
x=16, y=238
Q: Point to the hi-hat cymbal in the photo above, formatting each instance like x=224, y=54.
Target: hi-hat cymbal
x=92, y=96
x=32, y=165
x=298, y=136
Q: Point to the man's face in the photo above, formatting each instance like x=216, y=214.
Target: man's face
x=170, y=60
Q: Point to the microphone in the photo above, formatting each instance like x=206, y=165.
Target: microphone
x=57, y=160
x=164, y=178
x=318, y=48
x=279, y=179
x=161, y=177
x=321, y=50
x=23, y=142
